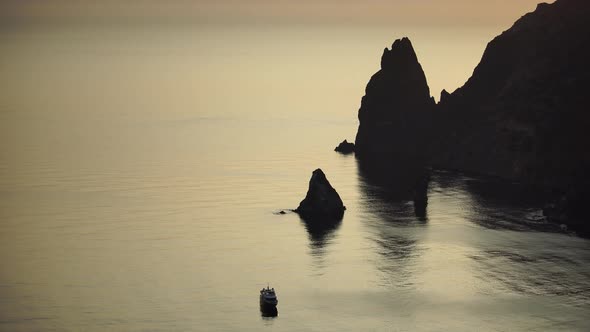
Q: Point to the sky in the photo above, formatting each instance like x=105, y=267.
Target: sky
x=467, y=13
x=254, y=49
x=108, y=61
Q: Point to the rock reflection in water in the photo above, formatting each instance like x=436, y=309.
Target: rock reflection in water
x=506, y=205
x=420, y=197
x=320, y=233
x=393, y=189
x=538, y=271
x=394, y=204
x=397, y=253
x=493, y=203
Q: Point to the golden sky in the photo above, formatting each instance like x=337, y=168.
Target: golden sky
x=365, y=12
x=449, y=36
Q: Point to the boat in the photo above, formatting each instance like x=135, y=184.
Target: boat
x=268, y=297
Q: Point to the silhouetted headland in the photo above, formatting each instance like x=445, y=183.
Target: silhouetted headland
x=321, y=202
x=522, y=115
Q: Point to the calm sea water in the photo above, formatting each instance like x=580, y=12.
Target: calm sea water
x=141, y=175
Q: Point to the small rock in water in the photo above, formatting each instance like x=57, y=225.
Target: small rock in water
x=345, y=147
x=322, y=200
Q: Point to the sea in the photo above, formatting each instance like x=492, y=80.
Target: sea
x=143, y=169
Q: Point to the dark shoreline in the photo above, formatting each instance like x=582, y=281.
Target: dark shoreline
x=520, y=117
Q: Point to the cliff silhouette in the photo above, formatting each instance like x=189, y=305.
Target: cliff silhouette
x=397, y=107
x=522, y=115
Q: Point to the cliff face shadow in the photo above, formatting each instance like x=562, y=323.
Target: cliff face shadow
x=397, y=193
x=488, y=202
x=398, y=252
x=501, y=204
x=395, y=201
x=493, y=191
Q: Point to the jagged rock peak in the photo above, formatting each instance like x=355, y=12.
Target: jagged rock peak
x=444, y=96
x=401, y=53
x=393, y=110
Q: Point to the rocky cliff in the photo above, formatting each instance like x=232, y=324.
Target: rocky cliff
x=396, y=109
x=523, y=113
